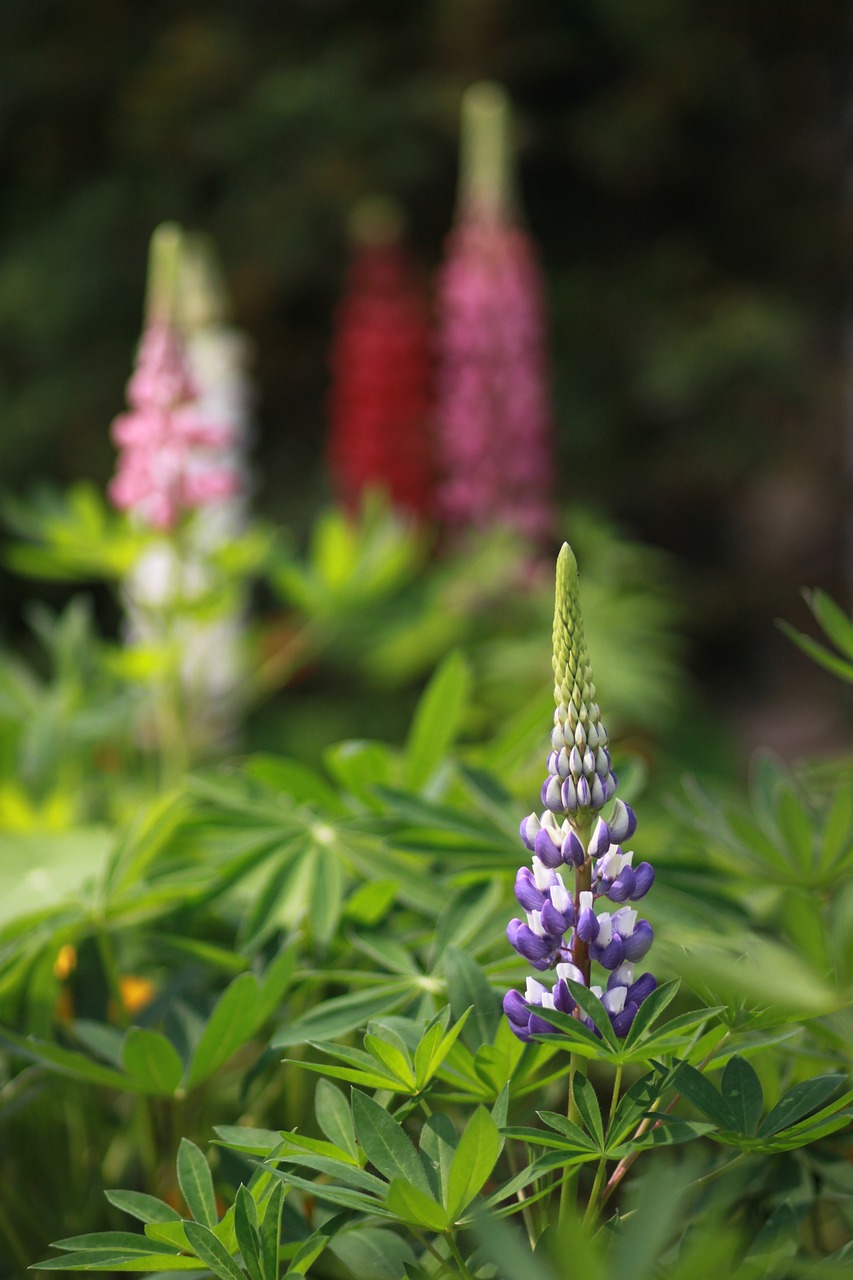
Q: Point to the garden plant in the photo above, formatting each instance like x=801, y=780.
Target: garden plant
x=312, y=995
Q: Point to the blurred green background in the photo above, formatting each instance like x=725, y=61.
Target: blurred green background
x=682, y=169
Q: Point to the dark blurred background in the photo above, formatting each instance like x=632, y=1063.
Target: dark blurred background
x=682, y=164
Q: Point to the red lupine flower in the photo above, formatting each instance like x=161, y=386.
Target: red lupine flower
x=381, y=371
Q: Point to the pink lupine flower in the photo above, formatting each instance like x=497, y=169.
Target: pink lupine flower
x=493, y=417
x=172, y=459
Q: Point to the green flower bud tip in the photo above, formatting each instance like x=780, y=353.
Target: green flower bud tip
x=573, y=684
x=580, y=778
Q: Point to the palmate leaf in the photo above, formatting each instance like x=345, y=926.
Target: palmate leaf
x=410, y=1204
x=799, y=1102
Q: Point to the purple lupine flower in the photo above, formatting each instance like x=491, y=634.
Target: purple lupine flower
x=493, y=414
x=563, y=931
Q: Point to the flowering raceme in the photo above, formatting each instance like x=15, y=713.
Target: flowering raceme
x=493, y=413
x=172, y=458
x=562, y=931
x=381, y=363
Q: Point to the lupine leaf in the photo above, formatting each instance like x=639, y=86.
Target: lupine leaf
x=742, y=1093
x=346, y=1197
x=385, y=1144
x=334, y=1117
x=270, y=1233
x=698, y=1090
x=373, y=1252
x=796, y=826
x=94, y=1260
x=248, y=1234
x=595, y=1010
x=310, y=1250
x=196, y=1183
x=587, y=1104
x=473, y=1161
x=229, y=1026
x=439, y=1141
x=392, y=1059
x=67, y=1062
x=437, y=719
x=466, y=987
x=110, y=1242
x=651, y=1008
x=567, y=1135
x=798, y=1102
x=153, y=1061
x=413, y=1205
x=342, y=1014
x=142, y=1206
x=274, y=982
x=258, y=1142
x=212, y=1252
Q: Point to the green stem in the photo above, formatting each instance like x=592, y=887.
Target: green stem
x=457, y=1257
x=593, y=1206
x=721, y=1169
x=521, y=1195
x=568, y=1183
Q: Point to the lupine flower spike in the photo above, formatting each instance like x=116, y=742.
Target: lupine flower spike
x=182, y=478
x=493, y=413
x=172, y=458
x=562, y=932
x=381, y=365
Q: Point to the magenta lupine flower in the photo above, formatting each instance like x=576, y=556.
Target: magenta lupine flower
x=562, y=931
x=493, y=413
x=172, y=458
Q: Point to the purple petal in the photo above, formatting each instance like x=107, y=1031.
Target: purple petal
x=526, y=892
x=546, y=851
x=640, y=941
x=573, y=851
x=599, y=841
x=563, y=999
x=642, y=988
x=610, y=956
x=587, y=926
x=584, y=794
x=553, y=921
x=527, y=830
x=551, y=795
x=622, y=823
x=622, y=888
x=622, y=1021
x=535, y=949
x=539, y=1027
x=569, y=796
x=644, y=877
x=515, y=1008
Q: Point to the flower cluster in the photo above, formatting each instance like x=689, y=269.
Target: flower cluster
x=493, y=413
x=381, y=364
x=173, y=456
x=562, y=931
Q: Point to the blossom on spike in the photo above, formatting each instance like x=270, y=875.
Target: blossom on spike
x=564, y=932
x=381, y=366
x=493, y=414
x=171, y=456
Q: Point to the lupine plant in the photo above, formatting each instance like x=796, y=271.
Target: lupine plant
x=451, y=1140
